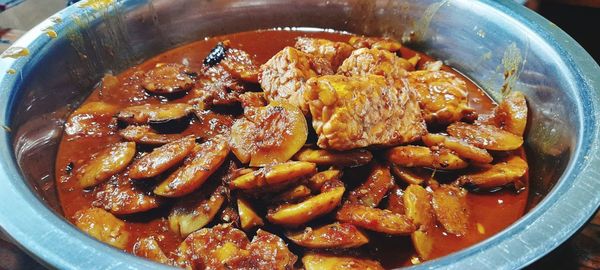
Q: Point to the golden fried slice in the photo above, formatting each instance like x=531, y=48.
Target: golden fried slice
x=371, y=192
x=106, y=163
x=297, y=193
x=316, y=182
x=322, y=261
x=375, y=62
x=293, y=215
x=485, y=136
x=282, y=78
x=120, y=196
x=103, y=226
x=443, y=96
x=423, y=243
x=336, y=235
x=248, y=217
x=395, y=202
x=162, y=158
x=147, y=247
x=352, y=158
x=93, y=119
x=266, y=252
x=269, y=134
x=240, y=65
x=145, y=135
x=168, y=78
x=374, y=219
x=460, y=147
x=419, y=156
x=451, y=209
x=193, y=213
x=510, y=115
x=276, y=174
x=333, y=52
x=202, y=164
x=414, y=176
x=154, y=113
x=375, y=43
x=253, y=99
x=497, y=175
x=212, y=248
x=418, y=207
x=356, y=112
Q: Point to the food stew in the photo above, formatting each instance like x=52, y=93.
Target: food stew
x=280, y=149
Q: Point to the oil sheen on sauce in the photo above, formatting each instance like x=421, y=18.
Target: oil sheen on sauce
x=490, y=212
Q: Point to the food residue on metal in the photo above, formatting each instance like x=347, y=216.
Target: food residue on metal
x=6, y=128
x=56, y=19
x=511, y=61
x=422, y=25
x=15, y=52
x=50, y=32
x=96, y=4
x=11, y=71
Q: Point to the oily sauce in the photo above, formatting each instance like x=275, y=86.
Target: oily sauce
x=490, y=212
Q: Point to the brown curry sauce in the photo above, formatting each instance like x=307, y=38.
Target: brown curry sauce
x=490, y=212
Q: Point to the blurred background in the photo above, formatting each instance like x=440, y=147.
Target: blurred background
x=579, y=18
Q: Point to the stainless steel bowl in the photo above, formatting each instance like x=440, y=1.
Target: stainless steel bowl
x=497, y=43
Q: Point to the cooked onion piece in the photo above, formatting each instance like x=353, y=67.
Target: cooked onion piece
x=451, y=209
x=485, y=136
x=193, y=213
x=336, y=235
x=374, y=219
x=497, y=175
x=352, y=158
x=294, y=215
x=103, y=226
x=145, y=135
x=106, y=163
x=269, y=134
x=419, y=156
x=162, y=158
x=202, y=164
x=322, y=261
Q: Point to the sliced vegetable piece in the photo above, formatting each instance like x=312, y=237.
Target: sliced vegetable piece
x=336, y=235
x=147, y=247
x=269, y=134
x=352, y=158
x=420, y=156
x=154, y=113
x=317, y=181
x=293, y=215
x=191, y=214
x=212, y=248
x=168, y=78
x=497, y=175
x=103, y=226
x=145, y=135
x=322, y=261
x=92, y=119
x=277, y=174
x=414, y=176
x=120, y=196
x=266, y=252
x=162, y=158
x=485, y=136
x=423, y=243
x=240, y=65
x=207, y=159
x=451, y=209
x=106, y=163
x=374, y=219
x=460, y=147
x=371, y=192
x=418, y=207
x=248, y=217
x=395, y=201
x=294, y=194
x=510, y=115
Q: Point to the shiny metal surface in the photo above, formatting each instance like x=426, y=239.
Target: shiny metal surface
x=497, y=43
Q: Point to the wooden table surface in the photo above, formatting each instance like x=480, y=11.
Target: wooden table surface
x=582, y=251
